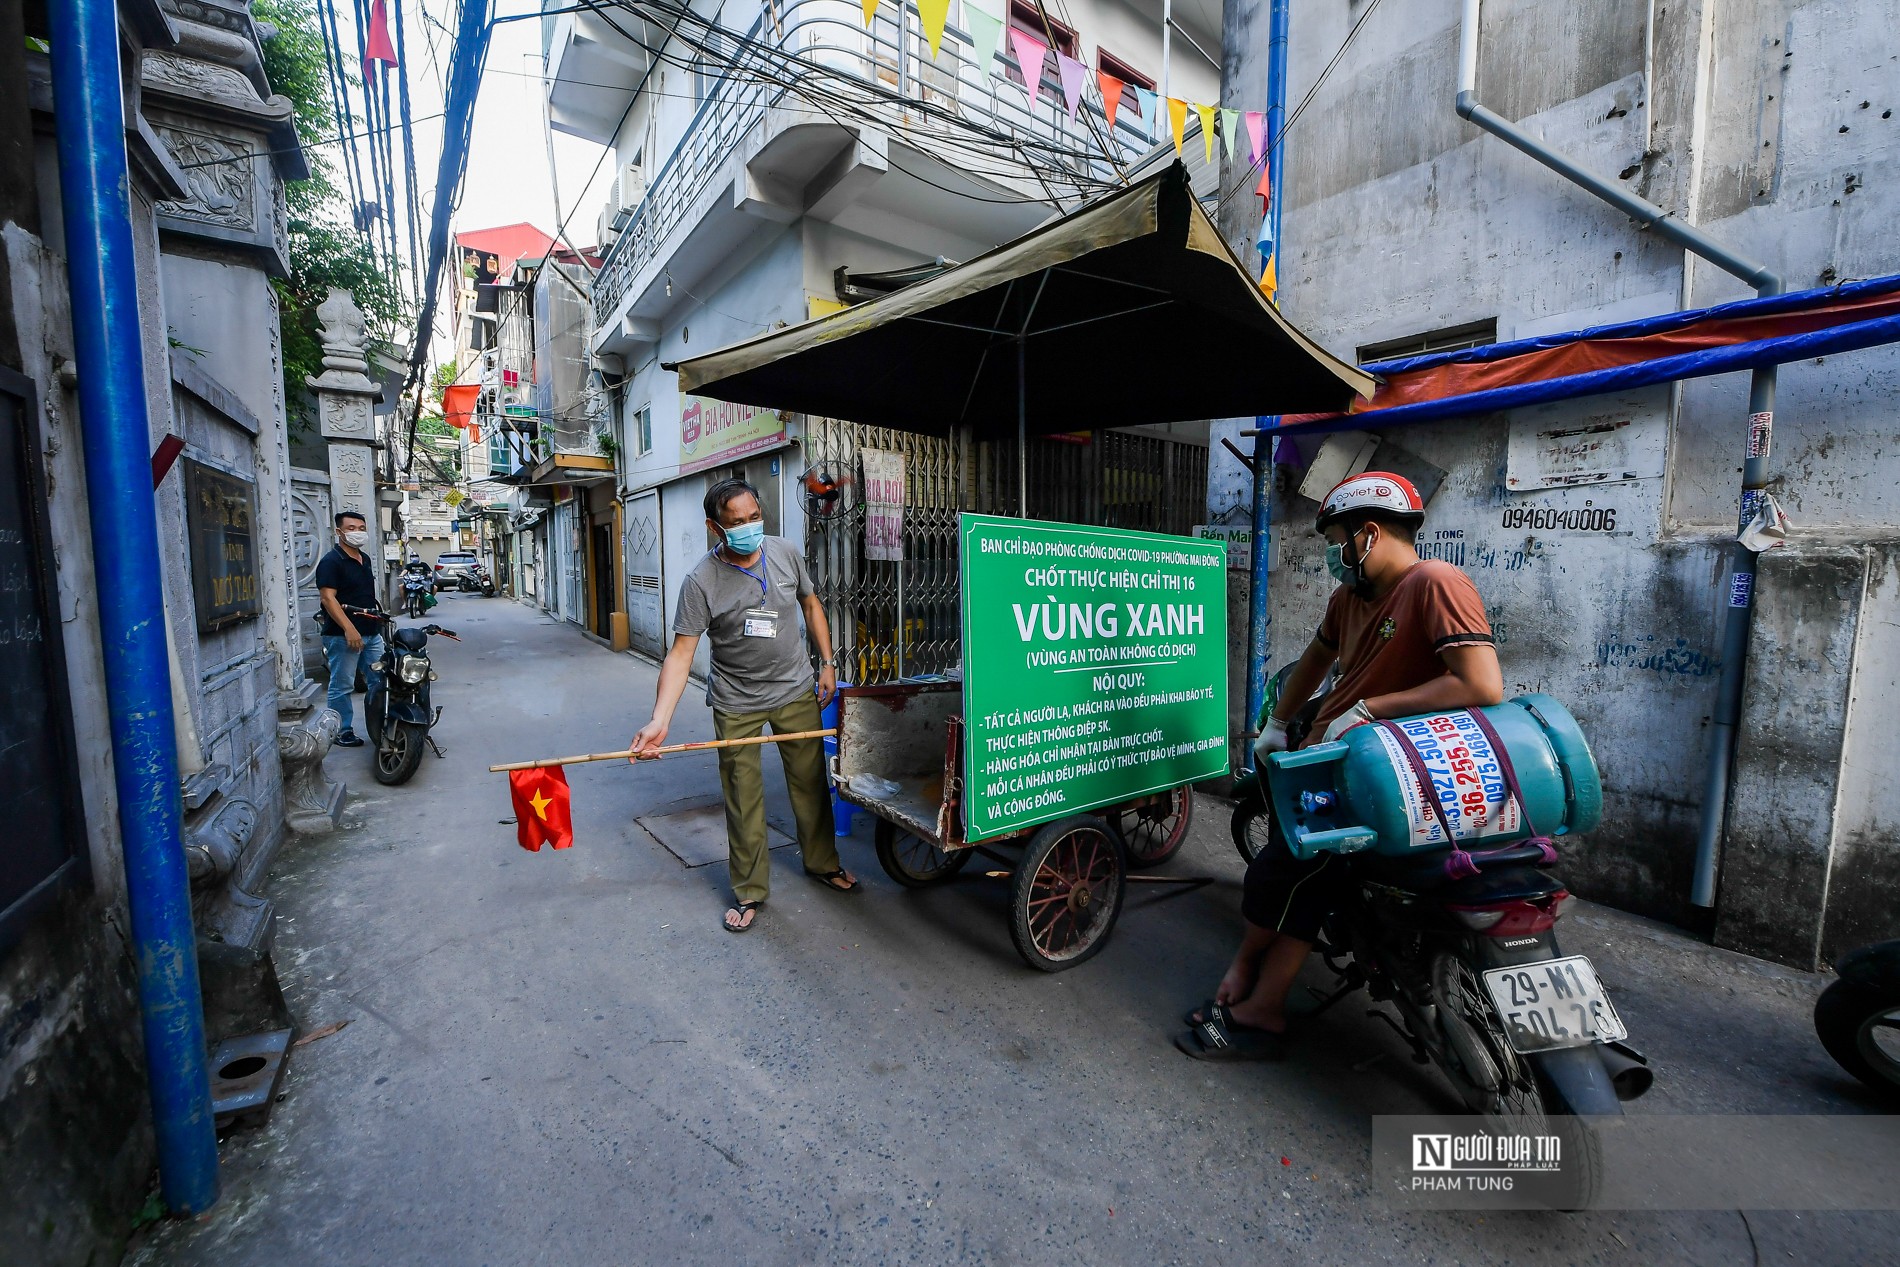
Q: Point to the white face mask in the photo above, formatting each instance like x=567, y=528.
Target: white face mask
x=358, y=538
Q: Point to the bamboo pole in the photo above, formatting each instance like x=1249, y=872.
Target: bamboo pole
x=625, y=753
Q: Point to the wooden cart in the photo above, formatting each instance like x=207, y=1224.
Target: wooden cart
x=1068, y=884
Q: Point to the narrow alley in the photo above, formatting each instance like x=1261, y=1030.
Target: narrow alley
x=560, y=1058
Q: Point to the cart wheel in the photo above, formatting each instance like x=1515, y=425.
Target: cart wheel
x=1154, y=829
x=1068, y=891
x=914, y=862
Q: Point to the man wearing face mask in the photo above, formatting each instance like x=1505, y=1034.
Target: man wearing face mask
x=346, y=589
x=1409, y=636
x=746, y=597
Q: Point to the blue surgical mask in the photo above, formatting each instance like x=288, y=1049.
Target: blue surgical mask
x=746, y=538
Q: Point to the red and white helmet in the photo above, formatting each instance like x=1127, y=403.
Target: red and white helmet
x=1379, y=491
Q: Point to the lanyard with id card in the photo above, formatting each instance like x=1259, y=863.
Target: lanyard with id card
x=760, y=621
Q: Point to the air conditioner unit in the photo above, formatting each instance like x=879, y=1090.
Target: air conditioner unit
x=604, y=232
x=631, y=188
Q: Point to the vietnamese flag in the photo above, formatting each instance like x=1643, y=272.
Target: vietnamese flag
x=541, y=807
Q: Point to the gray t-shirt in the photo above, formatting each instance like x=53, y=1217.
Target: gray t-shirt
x=751, y=674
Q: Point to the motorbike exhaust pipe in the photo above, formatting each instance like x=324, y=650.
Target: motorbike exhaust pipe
x=1628, y=1068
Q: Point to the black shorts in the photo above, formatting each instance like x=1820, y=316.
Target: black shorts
x=1294, y=895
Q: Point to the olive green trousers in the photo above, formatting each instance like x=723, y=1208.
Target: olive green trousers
x=742, y=779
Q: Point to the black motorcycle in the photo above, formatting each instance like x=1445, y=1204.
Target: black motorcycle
x=418, y=593
x=476, y=581
x=1463, y=946
x=397, y=710
x=1858, y=1016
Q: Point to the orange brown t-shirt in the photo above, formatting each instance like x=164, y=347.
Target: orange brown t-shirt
x=1392, y=643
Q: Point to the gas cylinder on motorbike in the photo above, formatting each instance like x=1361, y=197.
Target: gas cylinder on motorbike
x=1364, y=790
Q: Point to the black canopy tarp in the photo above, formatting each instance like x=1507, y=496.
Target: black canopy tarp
x=1129, y=310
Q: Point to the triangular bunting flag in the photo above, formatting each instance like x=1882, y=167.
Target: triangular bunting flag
x=1256, y=135
x=1270, y=280
x=377, y=46
x=542, y=813
x=933, y=13
x=870, y=10
x=1265, y=187
x=1207, y=128
x=1177, y=119
x=1145, y=102
x=1230, y=132
x=986, y=31
x=1072, y=72
x=1111, y=95
x=1030, y=55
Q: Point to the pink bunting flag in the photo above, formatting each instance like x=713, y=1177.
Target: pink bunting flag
x=1030, y=55
x=1072, y=72
x=1256, y=134
x=1111, y=95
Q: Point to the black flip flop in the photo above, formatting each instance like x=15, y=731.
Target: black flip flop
x=1230, y=1040
x=1210, y=1010
x=826, y=877
x=742, y=908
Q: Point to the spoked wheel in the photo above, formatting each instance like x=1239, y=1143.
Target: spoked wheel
x=1251, y=826
x=1499, y=1084
x=1154, y=828
x=1067, y=893
x=914, y=862
x=399, y=759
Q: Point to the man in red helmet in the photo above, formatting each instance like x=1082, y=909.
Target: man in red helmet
x=1409, y=636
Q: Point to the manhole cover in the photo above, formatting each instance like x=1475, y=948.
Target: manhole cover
x=696, y=835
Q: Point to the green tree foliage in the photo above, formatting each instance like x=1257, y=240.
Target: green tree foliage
x=325, y=248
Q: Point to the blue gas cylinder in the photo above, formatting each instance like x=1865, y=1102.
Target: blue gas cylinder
x=1361, y=792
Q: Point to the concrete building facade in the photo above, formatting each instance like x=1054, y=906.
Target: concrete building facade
x=1769, y=124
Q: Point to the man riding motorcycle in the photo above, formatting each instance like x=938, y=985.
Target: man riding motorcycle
x=1410, y=636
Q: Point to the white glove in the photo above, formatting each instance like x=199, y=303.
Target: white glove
x=1357, y=715
x=1272, y=739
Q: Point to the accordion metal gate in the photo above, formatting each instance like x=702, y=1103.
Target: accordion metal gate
x=1113, y=478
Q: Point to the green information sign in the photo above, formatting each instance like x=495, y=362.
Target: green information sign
x=1094, y=668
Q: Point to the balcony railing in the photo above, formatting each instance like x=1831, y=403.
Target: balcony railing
x=903, y=89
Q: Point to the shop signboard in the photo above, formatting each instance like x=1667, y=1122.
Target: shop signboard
x=1095, y=668
x=883, y=504
x=714, y=432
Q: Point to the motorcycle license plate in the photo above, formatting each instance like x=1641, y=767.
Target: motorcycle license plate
x=1555, y=1003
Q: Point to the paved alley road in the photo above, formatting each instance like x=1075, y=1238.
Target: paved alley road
x=561, y=1058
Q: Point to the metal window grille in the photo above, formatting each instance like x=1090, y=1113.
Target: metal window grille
x=1116, y=479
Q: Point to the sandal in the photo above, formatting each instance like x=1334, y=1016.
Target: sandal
x=1211, y=1010
x=826, y=877
x=744, y=909
x=1227, y=1039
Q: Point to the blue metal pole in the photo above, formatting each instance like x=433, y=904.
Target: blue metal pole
x=102, y=273
x=1259, y=619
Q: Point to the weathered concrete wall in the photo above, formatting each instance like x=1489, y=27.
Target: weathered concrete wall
x=1401, y=219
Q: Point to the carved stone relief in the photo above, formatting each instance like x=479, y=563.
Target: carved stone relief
x=217, y=173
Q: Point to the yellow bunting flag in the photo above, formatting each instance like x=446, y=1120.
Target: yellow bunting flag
x=933, y=12
x=870, y=10
x=1207, y=127
x=1177, y=118
x=1270, y=279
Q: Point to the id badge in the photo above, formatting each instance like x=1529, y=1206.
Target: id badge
x=761, y=622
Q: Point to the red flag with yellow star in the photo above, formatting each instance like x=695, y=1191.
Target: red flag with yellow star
x=541, y=807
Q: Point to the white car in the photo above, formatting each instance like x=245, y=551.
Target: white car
x=451, y=568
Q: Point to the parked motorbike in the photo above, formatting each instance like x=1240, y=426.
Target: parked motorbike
x=476, y=582
x=397, y=710
x=1858, y=1016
